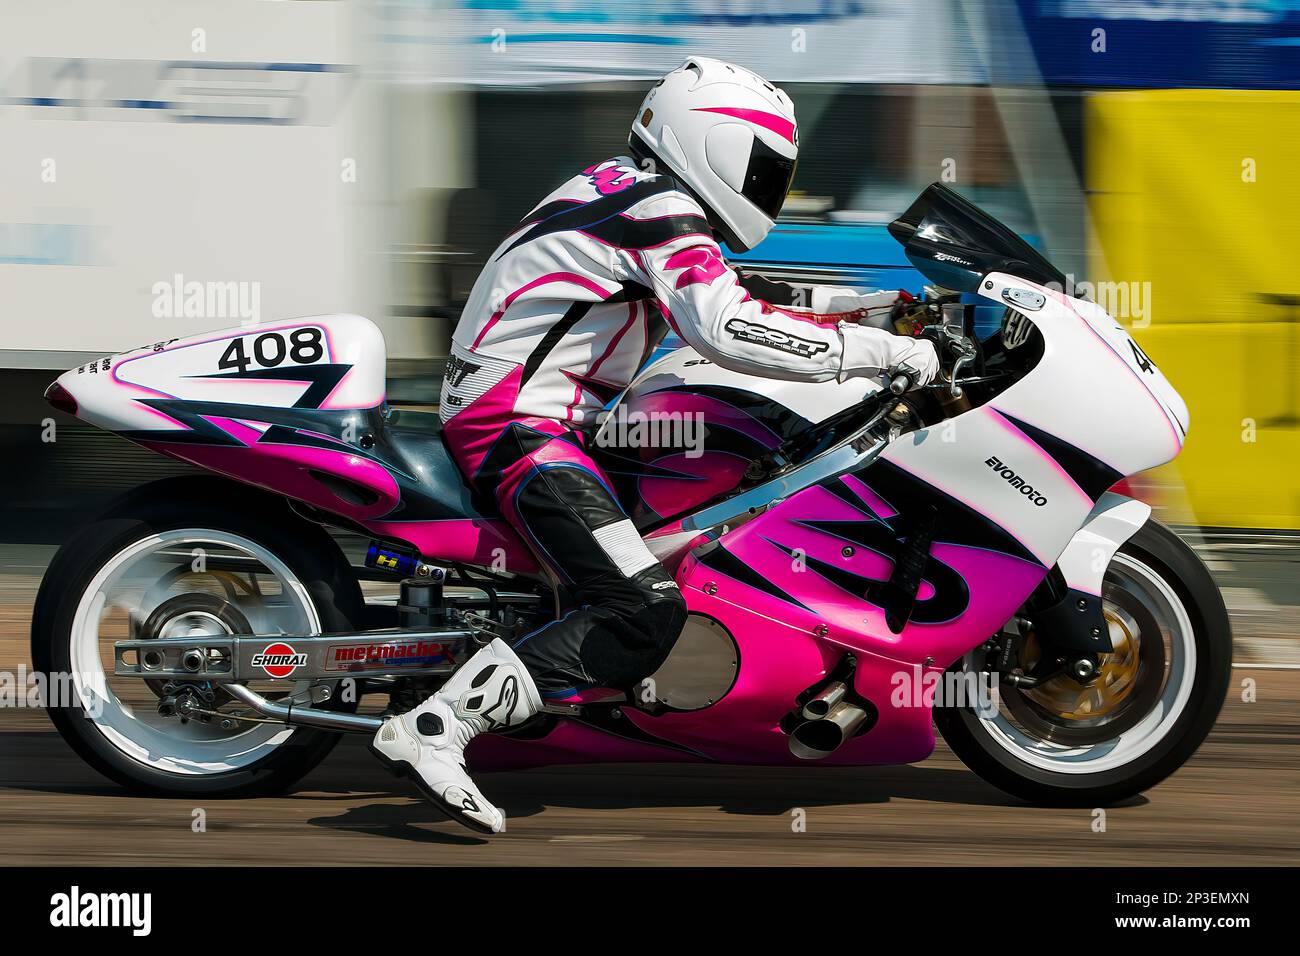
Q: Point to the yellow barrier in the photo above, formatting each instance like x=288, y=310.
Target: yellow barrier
x=1197, y=192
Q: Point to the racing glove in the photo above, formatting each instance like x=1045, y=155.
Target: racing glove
x=871, y=352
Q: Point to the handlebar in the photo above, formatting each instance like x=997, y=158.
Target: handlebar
x=952, y=344
x=901, y=378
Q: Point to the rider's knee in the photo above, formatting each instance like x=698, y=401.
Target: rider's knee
x=667, y=610
x=661, y=618
x=670, y=607
x=639, y=634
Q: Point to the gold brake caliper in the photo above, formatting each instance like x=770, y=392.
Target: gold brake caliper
x=1116, y=678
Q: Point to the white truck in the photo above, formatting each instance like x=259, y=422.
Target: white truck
x=170, y=168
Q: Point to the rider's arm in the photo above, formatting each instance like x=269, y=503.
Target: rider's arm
x=706, y=305
x=818, y=299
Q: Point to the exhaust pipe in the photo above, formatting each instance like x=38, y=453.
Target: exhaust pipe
x=303, y=716
x=826, y=699
x=815, y=739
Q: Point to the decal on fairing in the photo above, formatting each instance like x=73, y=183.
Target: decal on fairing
x=1009, y=475
x=889, y=506
x=1092, y=475
x=660, y=480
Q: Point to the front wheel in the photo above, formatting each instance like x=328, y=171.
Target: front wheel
x=186, y=557
x=1157, y=696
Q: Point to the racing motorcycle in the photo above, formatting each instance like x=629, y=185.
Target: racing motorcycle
x=852, y=555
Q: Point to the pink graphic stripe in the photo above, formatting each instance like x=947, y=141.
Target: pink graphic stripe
x=872, y=500
x=613, y=343
x=701, y=264
x=570, y=277
x=777, y=124
x=237, y=429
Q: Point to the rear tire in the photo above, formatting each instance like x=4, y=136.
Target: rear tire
x=988, y=746
x=226, y=509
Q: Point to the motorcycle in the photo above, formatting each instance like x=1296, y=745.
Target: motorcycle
x=861, y=561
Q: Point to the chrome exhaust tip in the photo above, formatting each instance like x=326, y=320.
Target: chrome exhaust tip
x=815, y=739
x=826, y=699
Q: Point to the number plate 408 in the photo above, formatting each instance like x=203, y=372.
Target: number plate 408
x=303, y=346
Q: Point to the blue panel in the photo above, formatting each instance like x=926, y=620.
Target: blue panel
x=1247, y=44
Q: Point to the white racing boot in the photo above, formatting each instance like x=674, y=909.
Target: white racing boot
x=491, y=691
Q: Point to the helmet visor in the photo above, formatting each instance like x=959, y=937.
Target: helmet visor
x=767, y=178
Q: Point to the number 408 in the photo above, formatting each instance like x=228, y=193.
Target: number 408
x=270, y=349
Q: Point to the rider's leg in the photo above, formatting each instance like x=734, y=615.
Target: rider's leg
x=490, y=691
x=627, y=611
x=628, y=614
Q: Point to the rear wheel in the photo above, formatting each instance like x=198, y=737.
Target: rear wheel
x=1157, y=696
x=186, y=557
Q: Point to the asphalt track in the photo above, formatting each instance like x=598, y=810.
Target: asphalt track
x=1234, y=803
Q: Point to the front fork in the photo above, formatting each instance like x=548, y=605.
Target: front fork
x=1065, y=611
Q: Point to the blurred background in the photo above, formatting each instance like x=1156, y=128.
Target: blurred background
x=174, y=166
x=308, y=156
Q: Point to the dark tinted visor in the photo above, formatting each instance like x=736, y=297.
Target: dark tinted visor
x=767, y=178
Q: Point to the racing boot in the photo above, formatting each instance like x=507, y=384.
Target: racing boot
x=491, y=691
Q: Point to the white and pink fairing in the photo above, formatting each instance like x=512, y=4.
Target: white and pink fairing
x=343, y=355
x=295, y=407
x=794, y=585
x=797, y=586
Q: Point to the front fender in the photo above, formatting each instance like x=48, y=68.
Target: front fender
x=1111, y=522
x=1073, y=614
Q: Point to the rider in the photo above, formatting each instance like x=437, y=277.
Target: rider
x=564, y=314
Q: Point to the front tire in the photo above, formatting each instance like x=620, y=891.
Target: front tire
x=293, y=579
x=1052, y=746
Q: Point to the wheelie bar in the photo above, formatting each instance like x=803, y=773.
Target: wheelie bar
x=236, y=658
x=294, y=715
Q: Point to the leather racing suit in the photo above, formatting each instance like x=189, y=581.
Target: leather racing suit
x=562, y=317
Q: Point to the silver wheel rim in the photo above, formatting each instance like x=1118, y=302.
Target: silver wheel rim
x=1175, y=626
x=126, y=585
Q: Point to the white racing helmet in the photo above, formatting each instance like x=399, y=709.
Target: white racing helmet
x=729, y=136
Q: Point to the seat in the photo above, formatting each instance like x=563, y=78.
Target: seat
x=432, y=486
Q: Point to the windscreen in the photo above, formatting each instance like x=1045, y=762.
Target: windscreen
x=954, y=243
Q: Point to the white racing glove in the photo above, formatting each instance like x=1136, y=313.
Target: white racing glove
x=870, y=352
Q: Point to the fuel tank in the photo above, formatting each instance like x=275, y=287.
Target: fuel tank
x=686, y=428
